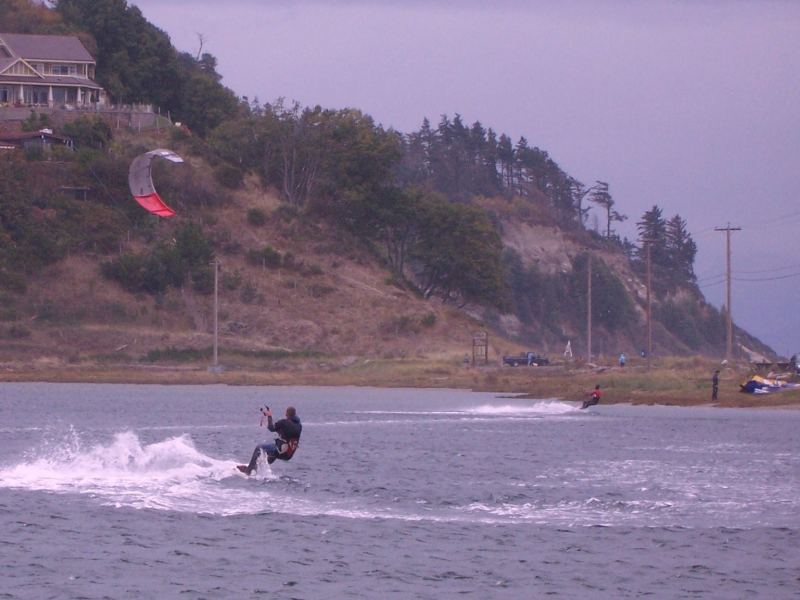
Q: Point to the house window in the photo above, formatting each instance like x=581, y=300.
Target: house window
x=5, y=95
x=59, y=95
x=64, y=70
x=39, y=95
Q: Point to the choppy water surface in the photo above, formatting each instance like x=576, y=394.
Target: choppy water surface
x=117, y=491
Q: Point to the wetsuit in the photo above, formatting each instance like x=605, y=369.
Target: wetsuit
x=283, y=447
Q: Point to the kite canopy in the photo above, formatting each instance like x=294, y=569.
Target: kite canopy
x=140, y=181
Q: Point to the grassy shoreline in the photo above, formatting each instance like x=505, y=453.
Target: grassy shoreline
x=676, y=382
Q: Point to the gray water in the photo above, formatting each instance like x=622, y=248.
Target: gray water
x=123, y=491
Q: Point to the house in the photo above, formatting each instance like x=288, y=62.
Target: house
x=47, y=70
x=44, y=140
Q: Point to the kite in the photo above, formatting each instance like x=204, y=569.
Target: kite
x=140, y=181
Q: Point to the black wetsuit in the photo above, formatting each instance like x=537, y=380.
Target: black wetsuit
x=284, y=447
x=289, y=431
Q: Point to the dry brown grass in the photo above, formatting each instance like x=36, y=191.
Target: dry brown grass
x=679, y=383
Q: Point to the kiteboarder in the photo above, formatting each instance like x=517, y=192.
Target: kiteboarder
x=594, y=397
x=285, y=445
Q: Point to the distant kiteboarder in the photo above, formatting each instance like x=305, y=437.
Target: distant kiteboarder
x=594, y=397
x=284, y=446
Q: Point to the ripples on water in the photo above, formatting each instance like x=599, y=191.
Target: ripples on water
x=131, y=492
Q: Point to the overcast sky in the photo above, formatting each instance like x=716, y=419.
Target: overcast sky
x=690, y=105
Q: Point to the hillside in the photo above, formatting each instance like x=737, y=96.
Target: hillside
x=334, y=301
x=329, y=297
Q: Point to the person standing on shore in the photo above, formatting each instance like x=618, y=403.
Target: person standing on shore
x=715, y=385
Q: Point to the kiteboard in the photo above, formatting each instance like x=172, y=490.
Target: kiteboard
x=242, y=469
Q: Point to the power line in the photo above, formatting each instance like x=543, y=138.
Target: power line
x=786, y=268
x=707, y=277
x=710, y=285
x=779, y=277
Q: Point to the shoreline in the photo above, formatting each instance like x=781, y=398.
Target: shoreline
x=675, y=383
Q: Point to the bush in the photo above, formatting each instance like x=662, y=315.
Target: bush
x=34, y=153
x=8, y=314
x=231, y=281
x=203, y=280
x=317, y=291
x=256, y=217
x=18, y=332
x=266, y=257
x=313, y=270
x=429, y=320
x=249, y=293
x=173, y=354
x=87, y=132
x=228, y=176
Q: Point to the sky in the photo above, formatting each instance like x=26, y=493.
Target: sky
x=691, y=105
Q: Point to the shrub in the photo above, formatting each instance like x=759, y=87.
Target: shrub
x=203, y=280
x=249, y=293
x=34, y=153
x=87, y=132
x=317, y=291
x=18, y=332
x=231, y=281
x=174, y=354
x=266, y=257
x=8, y=314
x=256, y=217
x=228, y=176
x=313, y=270
x=429, y=320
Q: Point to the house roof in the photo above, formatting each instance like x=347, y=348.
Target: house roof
x=46, y=47
x=51, y=80
x=31, y=135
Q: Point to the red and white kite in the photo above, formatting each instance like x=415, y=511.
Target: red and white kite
x=140, y=181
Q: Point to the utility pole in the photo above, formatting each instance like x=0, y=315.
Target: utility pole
x=649, y=308
x=589, y=309
x=729, y=344
x=215, y=368
x=649, y=281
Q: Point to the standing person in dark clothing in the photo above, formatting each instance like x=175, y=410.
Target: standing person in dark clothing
x=285, y=444
x=715, y=385
x=594, y=397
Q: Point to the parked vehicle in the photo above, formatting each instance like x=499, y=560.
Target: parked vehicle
x=529, y=359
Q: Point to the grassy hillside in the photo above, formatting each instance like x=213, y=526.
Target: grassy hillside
x=326, y=296
x=97, y=281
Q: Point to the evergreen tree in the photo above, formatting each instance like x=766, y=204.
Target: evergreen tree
x=681, y=248
x=505, y=159
x=601, y=196
x=653, y=230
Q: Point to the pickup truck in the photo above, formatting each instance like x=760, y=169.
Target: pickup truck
x=526, y=359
